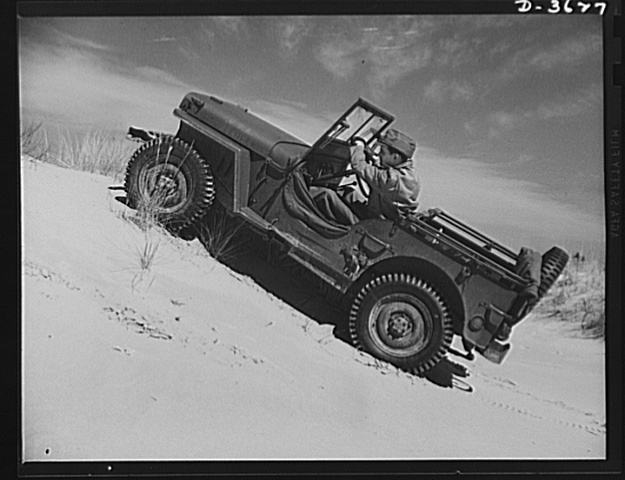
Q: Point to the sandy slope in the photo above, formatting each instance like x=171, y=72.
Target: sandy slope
x=194, y=361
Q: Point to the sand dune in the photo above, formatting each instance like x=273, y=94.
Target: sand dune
x=190, y=359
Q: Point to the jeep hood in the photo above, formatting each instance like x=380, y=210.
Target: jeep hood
x=245, y=128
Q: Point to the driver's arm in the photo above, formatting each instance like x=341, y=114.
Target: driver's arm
x=380, y=179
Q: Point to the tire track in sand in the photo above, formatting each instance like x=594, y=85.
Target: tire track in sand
x=509, y=390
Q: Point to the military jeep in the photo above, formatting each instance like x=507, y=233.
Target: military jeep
x=413, y=282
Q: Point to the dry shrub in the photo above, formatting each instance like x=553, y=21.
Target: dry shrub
x=219, y=234
x=34, y=140
x=578, y=297
x=95, y=152
x=103, y=152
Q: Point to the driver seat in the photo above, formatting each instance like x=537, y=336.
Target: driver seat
x=299, y=203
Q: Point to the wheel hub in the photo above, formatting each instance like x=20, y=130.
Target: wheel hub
x=166, y=185
x=399, y=325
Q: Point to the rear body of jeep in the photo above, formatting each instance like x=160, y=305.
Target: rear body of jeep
x=258, y=175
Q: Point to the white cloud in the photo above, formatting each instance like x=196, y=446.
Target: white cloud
x=291, y=31
x=67, y=40
x=568, y=107
x=515, y=212
x=292, y=117
x=229, y=25
x=87, y=89
x=338, y=57
x=565, y=54
x=227, y=28
x=165, y=39
x=440, y=90
x=572, y=105
x=387, y=52
x=457, y=50
x=495, y=21
x=391, y=65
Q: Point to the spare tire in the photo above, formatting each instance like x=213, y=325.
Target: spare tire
x=553, y=263
x=167, y=179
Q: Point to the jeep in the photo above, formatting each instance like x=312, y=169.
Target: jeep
x=412, y=282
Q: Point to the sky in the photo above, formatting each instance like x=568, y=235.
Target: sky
x=507, y=110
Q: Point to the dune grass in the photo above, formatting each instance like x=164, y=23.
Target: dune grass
x=34, y=141
x=95, y=152
x=578, y=297
x=103, y=152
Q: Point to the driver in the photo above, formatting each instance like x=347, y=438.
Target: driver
x=392, y=180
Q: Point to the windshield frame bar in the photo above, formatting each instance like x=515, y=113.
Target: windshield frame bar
x=374, y=110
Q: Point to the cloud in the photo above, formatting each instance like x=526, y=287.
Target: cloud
x=290, y=32
x=568, y=107
x=455, y=51
x=87, y=89
x=190, y=54
x=573, y=105
x=440, y=90
x=293, y=117
x=482, y=22
x=210, y=28
x=338, y=57
x=165, y=39
x=391, y=64
x=515, y=212
x=229, y=25
x=568, y=53
x=383, y=54
x=502, y=121
x=67, y=40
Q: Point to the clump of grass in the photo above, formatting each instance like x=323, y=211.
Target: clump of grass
x=146, y=256
x=219, y=234
x=145, y=218
x=34, y=140
x=578, y=297
x=95, y=152
x=103, y=152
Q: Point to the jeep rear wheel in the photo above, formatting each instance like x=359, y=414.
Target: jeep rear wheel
x=167, y=179
x=402, y=320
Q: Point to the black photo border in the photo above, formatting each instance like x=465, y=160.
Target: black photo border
x=613, y=156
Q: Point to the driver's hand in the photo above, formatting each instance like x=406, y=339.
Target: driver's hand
x=374, y=160
x=358, y=141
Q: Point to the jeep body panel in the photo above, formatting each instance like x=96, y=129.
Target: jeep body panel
x=245, y=128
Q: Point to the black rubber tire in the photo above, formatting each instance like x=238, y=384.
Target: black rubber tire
x=400, y=319
x=553, y=263
x=169, y=178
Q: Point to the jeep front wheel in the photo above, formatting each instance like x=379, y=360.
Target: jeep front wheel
x=402, y=320
x=167, y=179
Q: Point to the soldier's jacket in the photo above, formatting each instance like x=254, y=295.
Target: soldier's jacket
x=391, y=187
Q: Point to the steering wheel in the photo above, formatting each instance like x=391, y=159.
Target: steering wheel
x=345, y=173
x=349, y=171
